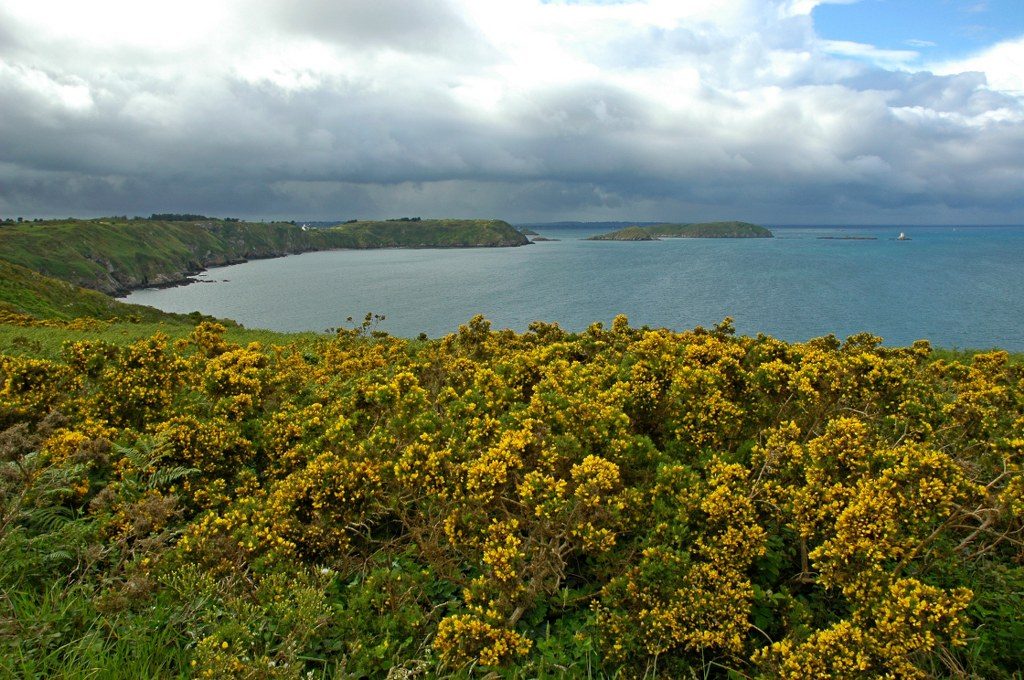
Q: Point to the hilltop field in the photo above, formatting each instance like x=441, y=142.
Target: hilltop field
x=182, y=497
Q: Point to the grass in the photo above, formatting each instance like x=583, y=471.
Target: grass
x=40, y=342
x=964, y=356
x=64, y=638
x=23, y=291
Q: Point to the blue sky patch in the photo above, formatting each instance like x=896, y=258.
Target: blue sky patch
x=939, y=29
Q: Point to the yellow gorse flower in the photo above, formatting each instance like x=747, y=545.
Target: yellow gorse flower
x=792, y=509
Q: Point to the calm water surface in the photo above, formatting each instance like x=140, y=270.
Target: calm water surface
x=958, y=287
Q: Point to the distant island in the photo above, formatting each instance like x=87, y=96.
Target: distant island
x=691, y=230
x=627, y=234
x=115, y=255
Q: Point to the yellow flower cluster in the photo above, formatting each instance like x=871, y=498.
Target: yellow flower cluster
x=463, y=639
x=792, y=510
x=887, y=640
x=30, y=386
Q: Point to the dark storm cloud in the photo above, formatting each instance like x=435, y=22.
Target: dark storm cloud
x=374, y=109
x=962, y=92
x=8, y=39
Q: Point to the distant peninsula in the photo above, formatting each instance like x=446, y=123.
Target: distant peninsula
x=691, y=230
x=417, y=233
x=115, y=255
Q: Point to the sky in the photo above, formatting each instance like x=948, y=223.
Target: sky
x=771, y=111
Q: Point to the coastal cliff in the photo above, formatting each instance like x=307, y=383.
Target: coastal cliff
x=115, y=256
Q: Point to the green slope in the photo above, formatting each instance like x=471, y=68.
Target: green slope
x=627, y=234
x=114, y=256
x=711, y=230
x=695, y=230
x=23, y=291
x=424, y=234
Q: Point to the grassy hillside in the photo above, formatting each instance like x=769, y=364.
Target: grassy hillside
x=695, y=230
x=711, y=230
x=23, y=291
x=627, y=234
x=114, y=256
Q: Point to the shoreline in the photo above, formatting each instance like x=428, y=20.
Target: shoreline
x=188, y=278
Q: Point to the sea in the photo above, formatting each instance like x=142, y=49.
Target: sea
x=958, y=287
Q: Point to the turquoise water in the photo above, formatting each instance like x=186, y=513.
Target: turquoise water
x=958, y=287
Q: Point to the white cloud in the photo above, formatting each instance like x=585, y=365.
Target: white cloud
x=113, y=26
x=892, y=59
x=795, y=7
x=1002, y=64
x=56, y=93
x=534, y=108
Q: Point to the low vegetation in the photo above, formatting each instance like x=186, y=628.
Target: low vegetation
x=627, y=234
x=420, y=233
x=181, y=497
x=618, y=502
x=696, y=230
x=25, y=293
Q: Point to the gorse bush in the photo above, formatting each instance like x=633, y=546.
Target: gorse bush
x=620, y=502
